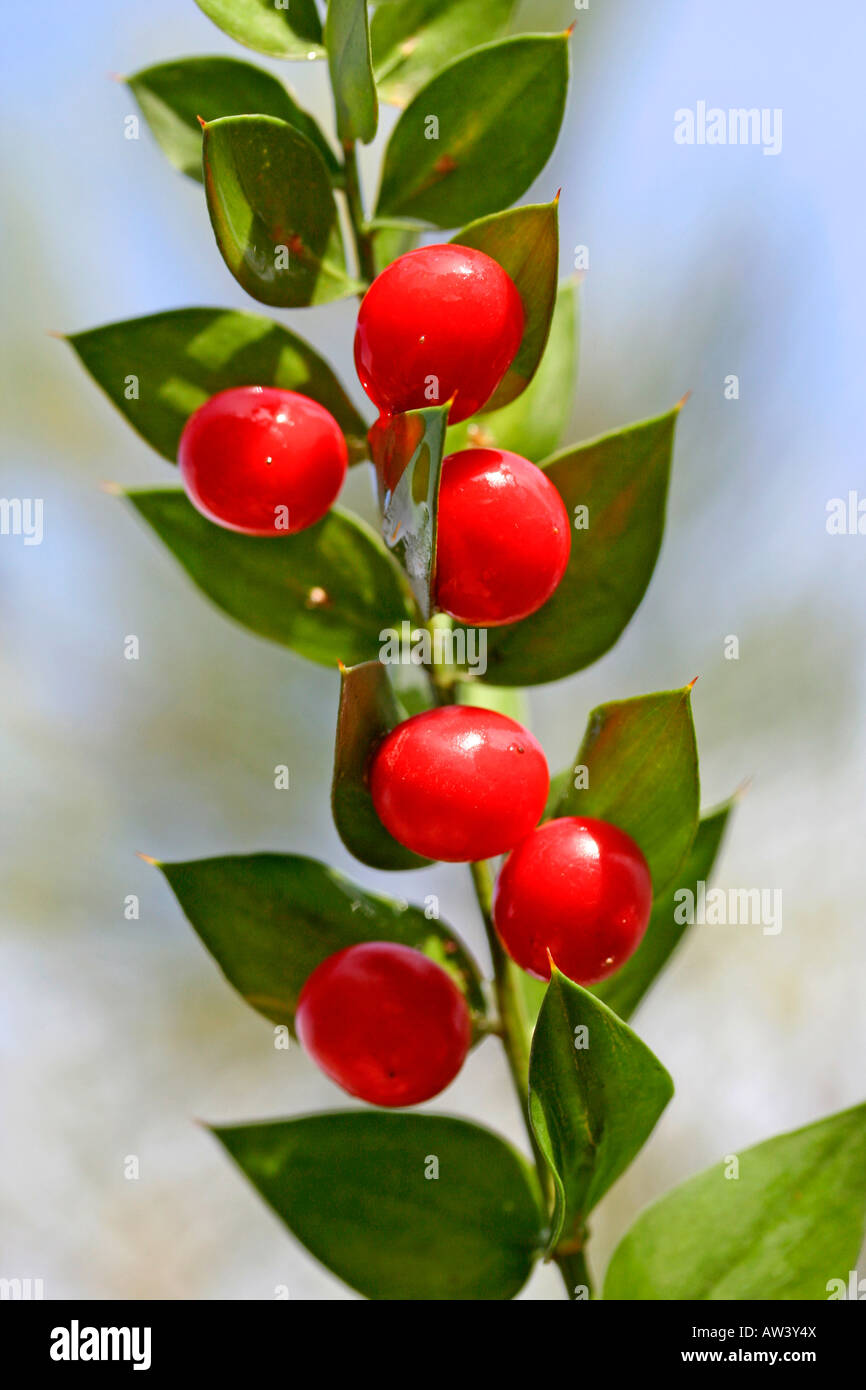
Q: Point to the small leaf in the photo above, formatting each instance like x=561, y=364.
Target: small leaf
x=368, y=711
x=414, y=39
x=508, y=700
x=533, y=425
x=642, y=773
x=525, y=242
x=621, y=480
x=173, y=96
x=624, y=990
x=391, y=241
x=353, y=1188
x=272, y=207
x=158, y=369
x=347, y=39
x=482, y=153
x=269, y=920
x=407, y=451
x=325, y=592
x=595, y=1095
x=783, y=1225
x=533, y=996
x=285, y=31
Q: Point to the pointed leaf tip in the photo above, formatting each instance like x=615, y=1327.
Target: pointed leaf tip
x=148, y=859
x=682, y=401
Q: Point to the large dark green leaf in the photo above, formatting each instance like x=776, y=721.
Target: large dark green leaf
x=624, y=990
x=326, y=592
x=357, y=1190
x=158, y=369
x=347, y=39
x=269, y=919
x=533, y=425
x=622, y=479
x=408, y=456
x=525, y=242
x=595, y=1094
x=368, y=711
x=788, y=1224
x=173, y=96
x=412, y=40
x=499, y=109
x=273, y=212
x=641, y=764
x=285, y=30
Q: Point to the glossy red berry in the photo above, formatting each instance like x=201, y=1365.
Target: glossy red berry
x=503, y=537
x=263, y=461
x=459, y=783
x=385, y=1022
x=578, y=888
x=440, y=321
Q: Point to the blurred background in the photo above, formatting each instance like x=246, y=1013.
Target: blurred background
x=703, y=262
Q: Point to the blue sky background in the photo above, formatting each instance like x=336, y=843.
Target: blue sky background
x=704, y=261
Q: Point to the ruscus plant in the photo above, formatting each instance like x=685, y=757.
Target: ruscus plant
x=495, y=539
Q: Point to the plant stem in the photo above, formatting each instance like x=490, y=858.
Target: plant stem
x=443, y=674
x=512, y=1011
x=362, y=237
x=513, y=1022
x=574, y=1270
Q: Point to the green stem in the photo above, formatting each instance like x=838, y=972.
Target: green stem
x=513, y=1026
x=574, y=1270
x=512, y=1011
x=362, y=236
x=443, y=674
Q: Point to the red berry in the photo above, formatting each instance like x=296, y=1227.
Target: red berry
x=459, y=783
x=263, y=461
x=385, y=1022
x=578, y=888
x=438, y=321
x=503, y=537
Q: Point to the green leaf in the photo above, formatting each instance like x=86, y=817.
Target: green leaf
x=290, y=30
x=533, y=425
x=172, y=97
x=624, y=990
x=173, y=362
x=641, y=764
x=272, y=207
x=368, y=711
x=414, y=39
x=533, y=996
x=269, y=920
x=391, y=241
x=791, y=1222
x=325, y=592
x=595, y=1095
x=407, y=452
x=352, y=1187
x=622, y=479
x=525, y=242
x=508, y=700
x=499, y=109
x=347, y=39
